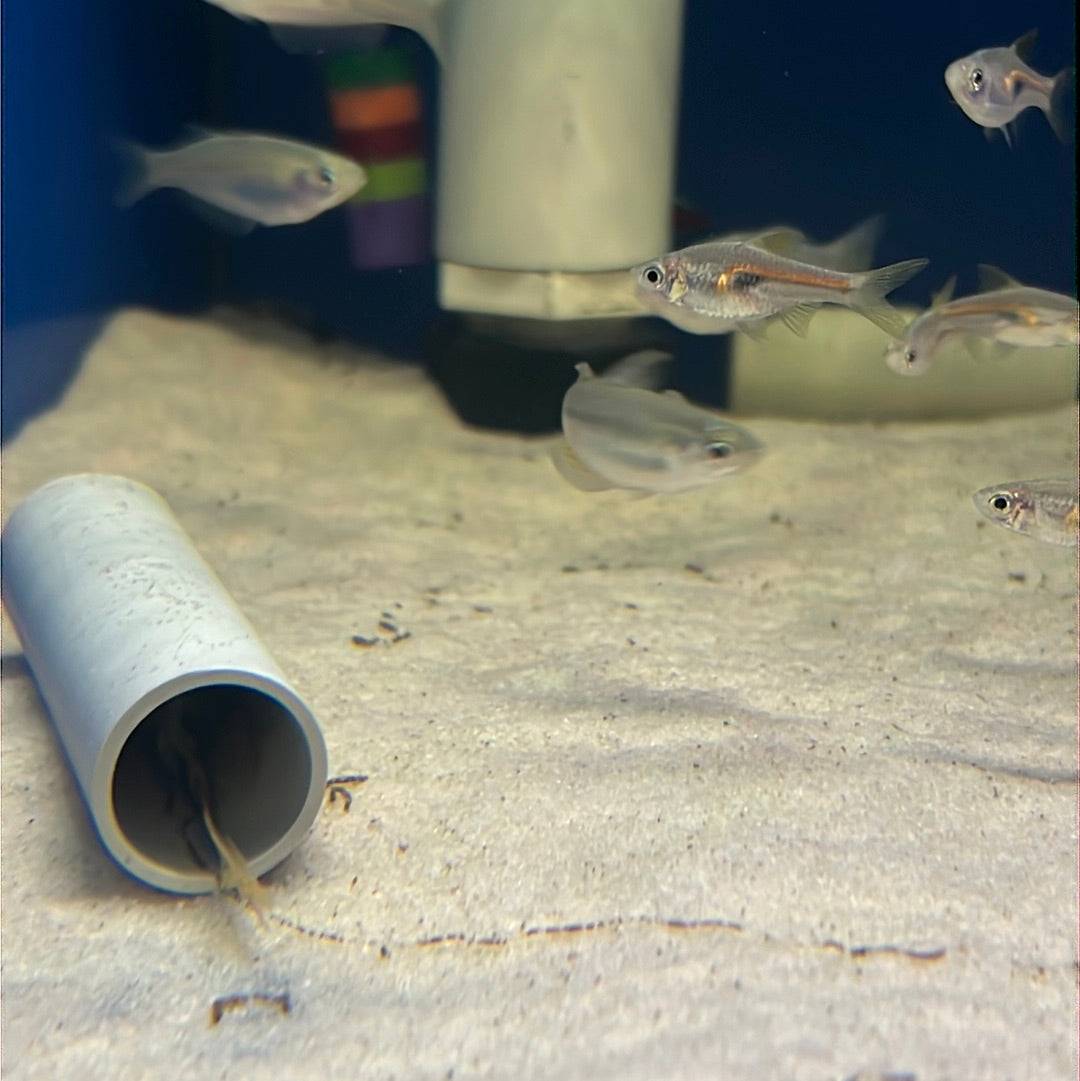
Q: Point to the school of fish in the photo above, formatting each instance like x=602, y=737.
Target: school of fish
x=619, y=430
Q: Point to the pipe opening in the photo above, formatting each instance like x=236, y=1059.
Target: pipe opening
x=236, y=748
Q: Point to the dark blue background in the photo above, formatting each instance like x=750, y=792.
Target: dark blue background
x=814, y=115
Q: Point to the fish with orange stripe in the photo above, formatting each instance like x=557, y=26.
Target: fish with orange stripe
x=723, y=285
x=1005, y=312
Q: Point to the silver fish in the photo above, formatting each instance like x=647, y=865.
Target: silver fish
x=328, y=25
x=620, y=435
x=1046, y=510
x=993, y=86
x=721, y=286
x=252, y=179
x=1005, y=312
x=852, y=251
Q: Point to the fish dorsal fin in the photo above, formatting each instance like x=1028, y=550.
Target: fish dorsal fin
x=672, y=393
x=779, y=240
x=642, y=369
x=584, y=371
x=797, y=319
x=992, y=277
x=945, y=293
x=576, y=471
x=853, y=251
x=1024, y=45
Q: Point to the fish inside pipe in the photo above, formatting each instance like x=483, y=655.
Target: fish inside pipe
x=178, y=751
x=721, y=286
x=248, y=179
x=619, y=433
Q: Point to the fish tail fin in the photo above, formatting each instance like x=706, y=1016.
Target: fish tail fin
x=1059, y=110
x=135, y=173
x=874, y=285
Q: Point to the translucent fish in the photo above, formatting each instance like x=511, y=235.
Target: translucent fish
x=248, y=178
x=852, y=251
x=1045, y=510
x=620, y=434
x=329, y=25
x=721, y=286
x=1007, y=312
x=177, y=750
x=993, y=86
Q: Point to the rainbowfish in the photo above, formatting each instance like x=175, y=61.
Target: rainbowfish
x=328, y=25
x=620, y=435
x=246, y=179
x=1046, y=510
x=721, y=286
x=993, y=86
x=1005, y=312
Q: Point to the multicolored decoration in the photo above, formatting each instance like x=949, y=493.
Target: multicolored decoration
x=377, y=111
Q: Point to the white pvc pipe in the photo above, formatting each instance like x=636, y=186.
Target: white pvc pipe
x=557, y=132
x=122, y=623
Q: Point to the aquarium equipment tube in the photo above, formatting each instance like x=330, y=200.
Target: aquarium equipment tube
x=126, y=629
x=557, y=131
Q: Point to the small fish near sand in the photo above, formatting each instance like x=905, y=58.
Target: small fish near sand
x=721, y=286
x=619, y=433
x=1005, y=312
x=244, y=179
x=993, y=86
x=1045, y=510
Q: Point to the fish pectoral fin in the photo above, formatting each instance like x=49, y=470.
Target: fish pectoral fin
x=992, y=277
x=574, y=470
x=233, y=224
x=797, y=319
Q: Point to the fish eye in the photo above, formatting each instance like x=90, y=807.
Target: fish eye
x=1000, y=502
x=975, y=80
x=653, y=274
x=909, y=356
x=719, y=449
x=326, y=176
